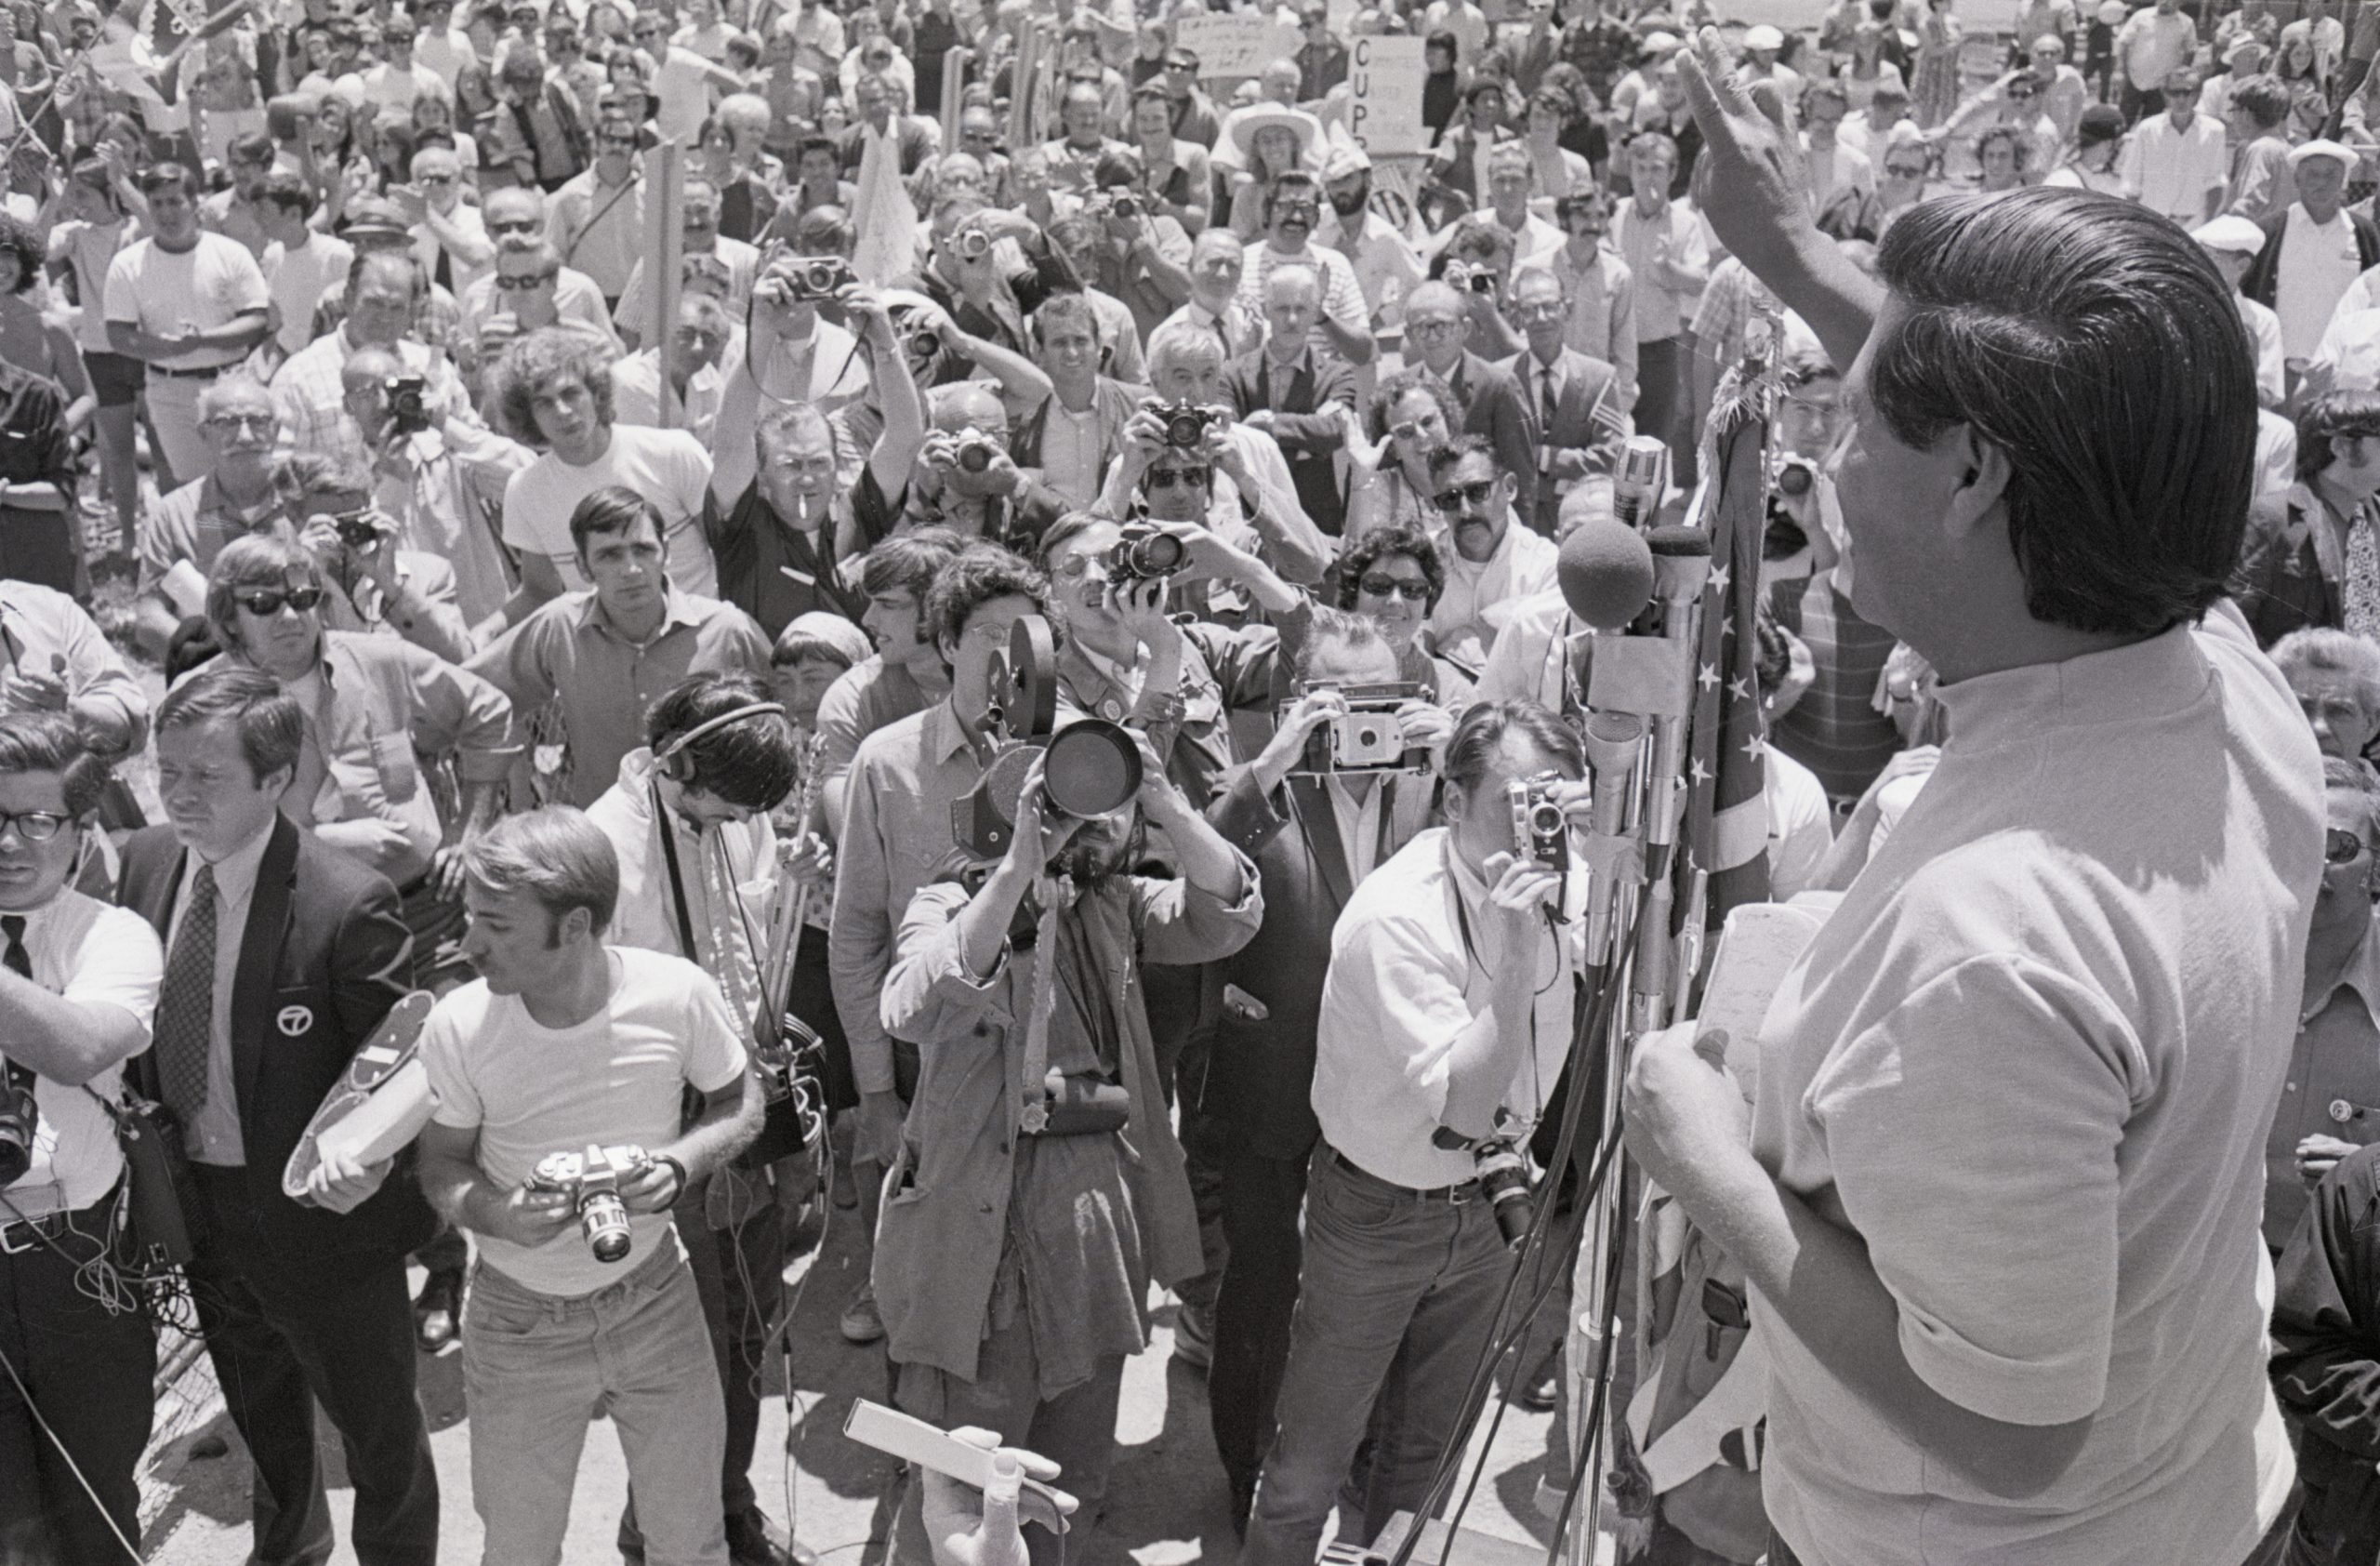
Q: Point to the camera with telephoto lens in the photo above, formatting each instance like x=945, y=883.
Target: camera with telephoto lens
x=1540, y=830
x=19, y=1117
x=1367, y=736
x=1091, y=767
x=811, y=278
x=976, y=450
x=1144, y=553
x=591, y=1181
x=1501, y=1163
x=1186, y=424
x=1112, y=204
x=1785, y=536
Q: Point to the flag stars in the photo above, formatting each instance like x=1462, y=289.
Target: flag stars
x=1737, y=688
x=1708, y=678
x=1756, y=747
x=1699, y=773
x=1719, y=581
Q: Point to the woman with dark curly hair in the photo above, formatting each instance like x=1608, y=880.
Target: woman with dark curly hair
x=1393, y=577
x=32, y=341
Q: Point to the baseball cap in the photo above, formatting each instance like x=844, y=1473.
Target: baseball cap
x=1764, y=37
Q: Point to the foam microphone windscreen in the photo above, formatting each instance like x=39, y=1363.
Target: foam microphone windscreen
x=1606, y=573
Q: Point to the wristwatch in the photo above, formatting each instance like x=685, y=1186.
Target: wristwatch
x=683, y=1178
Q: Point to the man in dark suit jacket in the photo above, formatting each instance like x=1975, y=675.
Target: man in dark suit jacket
x=282, y=955
x=1581, y=427
x=1256, y=1102
x=1438, y=326
x=1298, y=393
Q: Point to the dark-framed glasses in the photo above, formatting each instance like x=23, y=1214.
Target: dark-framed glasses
x=1459, y=496
x=34, y=826
x=1379, y=584
x=264, y=603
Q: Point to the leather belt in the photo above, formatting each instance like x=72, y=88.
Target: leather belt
x=205, y=372
x=1453, y=1196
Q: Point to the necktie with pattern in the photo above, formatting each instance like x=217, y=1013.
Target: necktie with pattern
x=186, y=1003
x=2361, y=589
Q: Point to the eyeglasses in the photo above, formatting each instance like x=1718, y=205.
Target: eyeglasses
x=433, y=180
x=34, y=826
x=1543, y=310
x=1296, y=211
x=514, y=225
x=2341, y=848
x=1381, y=585
x=1460, y=496
x=1906, y=171
x=523, y=285
x=267, y=602
x=230, y=423
x=1430, y=328
x=2181, y=93
x=1184, y=478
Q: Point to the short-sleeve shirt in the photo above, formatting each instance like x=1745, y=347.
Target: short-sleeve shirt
x=173, y=293
x=2056, y=1007
x=667, y=467
x=88, y=952
x=613, y=1080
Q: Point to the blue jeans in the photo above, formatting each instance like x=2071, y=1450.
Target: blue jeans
x=1396, y=1294
x=534, y=1366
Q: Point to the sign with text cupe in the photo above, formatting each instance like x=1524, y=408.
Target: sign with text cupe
x=1385, y=104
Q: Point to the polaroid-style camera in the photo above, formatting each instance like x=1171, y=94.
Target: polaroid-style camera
x=1144, y=553
x=1540, y=830
x=408, y=406
x=811, y=278
x=1367, y=737
x=591, y=1180
x=1186, y=424
x=1091, y=767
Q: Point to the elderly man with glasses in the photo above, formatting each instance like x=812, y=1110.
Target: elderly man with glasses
x=384, y=292
x=515, y=222
x=233, y=496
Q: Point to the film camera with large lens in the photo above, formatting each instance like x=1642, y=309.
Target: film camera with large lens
x=975, y=451
x=591, y=1181
x=408, y=406
x=1144, y=553
x=1186, y=424
x=1091, y=767
x=1367, y=736
x=811, y=278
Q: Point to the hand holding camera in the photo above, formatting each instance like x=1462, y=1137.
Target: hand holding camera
x=1295, y=731
x=1039, y=831
x=601, y=1187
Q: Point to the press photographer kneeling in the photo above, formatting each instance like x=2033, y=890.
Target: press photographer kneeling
x=1038, y=1188
x=558, y=1141
x=79, y=986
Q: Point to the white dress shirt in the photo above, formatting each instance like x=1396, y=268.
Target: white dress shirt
x=91, y=953
x=1480, y=596
x=1411, y=961
x=214, y=1132
x=2318, y=263
x=2173, y=170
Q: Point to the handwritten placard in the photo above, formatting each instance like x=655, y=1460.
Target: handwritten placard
x=1384, y=77
x=1232, y=48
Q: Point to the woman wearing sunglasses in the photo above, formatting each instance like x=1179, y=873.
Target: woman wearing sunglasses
x=1392, y=577
x=378, y=709
x=1389, y=476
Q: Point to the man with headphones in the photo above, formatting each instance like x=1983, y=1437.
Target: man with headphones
x=698, y=873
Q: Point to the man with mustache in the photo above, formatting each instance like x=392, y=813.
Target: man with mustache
x=1293, y=208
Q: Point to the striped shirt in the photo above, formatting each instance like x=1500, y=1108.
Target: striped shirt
x=1835, y=730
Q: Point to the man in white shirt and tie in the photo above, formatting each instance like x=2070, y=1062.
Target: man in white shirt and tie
x=1218, y=261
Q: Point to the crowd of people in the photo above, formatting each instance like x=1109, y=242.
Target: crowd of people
x=667, y=682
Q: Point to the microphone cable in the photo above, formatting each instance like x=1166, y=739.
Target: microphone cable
x=73, y=1467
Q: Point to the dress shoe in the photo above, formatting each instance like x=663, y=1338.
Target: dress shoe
x=438, y=1314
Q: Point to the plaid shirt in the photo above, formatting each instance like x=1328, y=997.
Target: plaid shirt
x=311, y=401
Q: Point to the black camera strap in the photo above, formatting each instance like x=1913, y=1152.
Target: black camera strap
x=677, y=881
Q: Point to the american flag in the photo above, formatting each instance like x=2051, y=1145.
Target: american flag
x=1726, y=815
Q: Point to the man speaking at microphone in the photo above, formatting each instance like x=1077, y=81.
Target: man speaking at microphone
x=2000, y=1209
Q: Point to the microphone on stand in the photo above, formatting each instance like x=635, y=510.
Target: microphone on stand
x=1608, y=575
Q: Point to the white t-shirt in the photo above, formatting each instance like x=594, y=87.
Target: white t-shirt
x=1801, y=825
x=2318, y=262
x=172, y=293
x=667, y=467
x=682, y=87
x=300, y=281
x=88, y=952
x=613, y=1081
x=2032, y=1060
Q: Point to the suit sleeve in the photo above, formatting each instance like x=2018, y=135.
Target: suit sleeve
x=371, y=960
x=2326, y=1359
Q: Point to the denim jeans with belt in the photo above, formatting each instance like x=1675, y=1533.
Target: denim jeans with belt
x=1392, y=1281
x=534, y=1367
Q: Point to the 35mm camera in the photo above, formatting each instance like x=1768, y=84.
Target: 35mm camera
x=591, y=1181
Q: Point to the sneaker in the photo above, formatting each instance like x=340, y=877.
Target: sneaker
x=1194, y=1337
x=861, y=1323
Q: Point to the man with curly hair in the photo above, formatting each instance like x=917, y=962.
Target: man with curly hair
x=554, y=389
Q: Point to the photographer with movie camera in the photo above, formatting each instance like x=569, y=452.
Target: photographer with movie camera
x=1039, y=1189
x=1445, y=1021
x=78, y=987
x=1344, y=784
x=559, y=1140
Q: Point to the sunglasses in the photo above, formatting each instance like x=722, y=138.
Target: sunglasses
x=523, y=285
x=1297, y=211
x=1185, y=478
x=1463, y=497
x=34, y=826
x=2341, y=848
x=266, y=602
x=1380, y=585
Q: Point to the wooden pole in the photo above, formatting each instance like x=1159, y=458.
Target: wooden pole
x=665, y=175
x=955, y=66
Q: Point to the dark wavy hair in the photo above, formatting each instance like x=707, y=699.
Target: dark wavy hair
x=2096, y=345
x=1411, y=543
x=2333, y=413
x=21, y=240
x=974, y=578
x=749, y=761
x=546, y=352
x=52, y=742
x=1487, y=725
